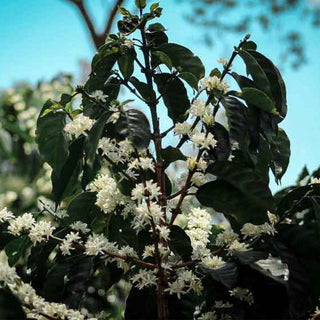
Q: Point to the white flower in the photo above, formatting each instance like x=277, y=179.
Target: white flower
x=80, y=226
x=223, y=61
x=250, y=230
x=151, y=188
x=144, y=163
x=96, y=244
x=219, y=304
x=67, y=244
x=21, y=223
x=214, y=82
x=183, y=128
x=273, y=218
x=242, y=294
x=98, y=95
x=275, y=266
x=6, y=215
x=203, y=140
x=177, y=287
x=144, y=278
x=237, y=246
x=126, y=251
x=226, y=238
x=198, y=179
x=128, y=43
x=315, y=180
x=164, y=232
x=79, y=125
x=213, y=262
x=211, y=315
x=41, y=231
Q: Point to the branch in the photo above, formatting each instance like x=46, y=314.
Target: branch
x=112, y=15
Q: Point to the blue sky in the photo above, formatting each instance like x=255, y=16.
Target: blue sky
x=40, y=38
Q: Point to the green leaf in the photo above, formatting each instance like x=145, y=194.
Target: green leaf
x=249, y=45
x=180, y=243
x=222, y=149
x=174, y=95
x=83, y=208
x=156, y=27
x=190, y=79
x=65, y=99
x=215, y=72
x=183, y=59
x=126, y=63
x=141, y=4
x=226, y=275
x=255, y=70
x=277, y=85
x=54, y=285
x=92, y=140
x=10, y=306
x=69, y=172
x=159, y=57
x=123, y=11
x=238, y=193
x=144, y=89
x=16, y=248
x=154, y=6
x=280, y=149
x=51, y=138
x=121, y=232
x=259, y=99
x=134, y=125
x=171, y=154
x=237, y=114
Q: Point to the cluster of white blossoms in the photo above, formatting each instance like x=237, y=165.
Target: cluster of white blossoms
x=37, y=231
x=117, y=152
x=34, y=306
x=203, y=140
x=79, y=125
x=108, y=194
x=315, y=180
x=144, y=278
x=214, y=82
x=254, y=231
x=200, y=109
x=230, y=240
x=242, y=294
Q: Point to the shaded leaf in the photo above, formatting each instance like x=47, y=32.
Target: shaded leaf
x=180, y=243
x=10, y=306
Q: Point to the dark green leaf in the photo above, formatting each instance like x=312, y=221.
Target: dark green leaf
x=83, y=208
x=155, y=27
x=141, y=4
x=134, y=125
x=259, y=99
x=171, y=154
x=16, y=248
x=144, y=89
x=222, y=149
x=255, y=70
x=190, y=79
x=183, y=59
x=237, y=114
x=69, y=172
x=174, y=95
x=65, y=98
x=226, y=275
x=280, y=149
x=215, y=72
x=278, y=88
x=51, y=138
x=159, y=57
x=126, y=63
x=249, y=45
x=10, y=306
x=180, y=243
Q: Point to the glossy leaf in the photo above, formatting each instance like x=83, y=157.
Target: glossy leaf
x=259, y=99
x=144, y=89
x=171, y=154
x=280, y=149
x=180, y=243
x=183, y=59
x=237, y=114
x=126, y=63
x=174, y=95
x=134, y=125
x=16, y=248
x=52, y=139
x=190, y=79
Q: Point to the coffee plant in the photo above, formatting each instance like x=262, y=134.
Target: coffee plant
x=121, y=214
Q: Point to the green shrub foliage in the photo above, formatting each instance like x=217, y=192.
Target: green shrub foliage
x=175, y=203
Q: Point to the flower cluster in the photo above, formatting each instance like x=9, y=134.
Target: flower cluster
x=79, y=125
